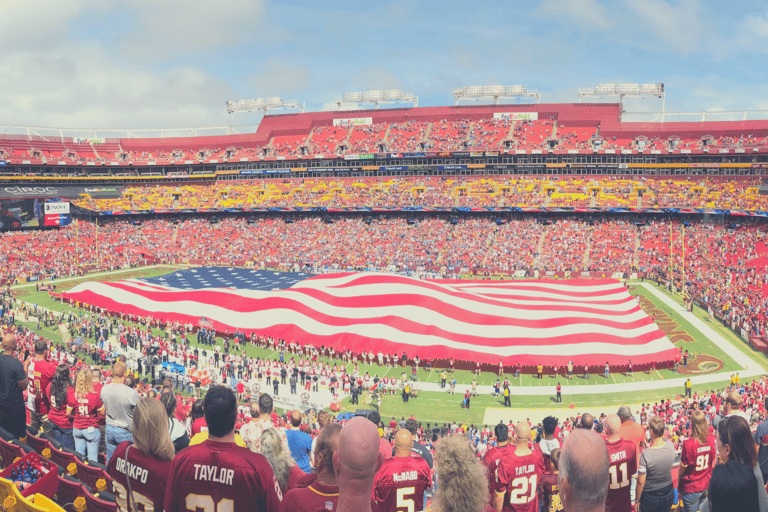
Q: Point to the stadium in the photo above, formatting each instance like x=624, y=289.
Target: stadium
x=512, y=283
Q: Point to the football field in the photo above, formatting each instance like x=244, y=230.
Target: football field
x=715, y=353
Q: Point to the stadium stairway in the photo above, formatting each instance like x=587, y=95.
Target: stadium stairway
x=636, y=257
x=585, y=261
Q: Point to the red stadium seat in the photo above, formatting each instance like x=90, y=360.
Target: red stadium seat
x=69, y=490
x=39, y=444
x=9, y=452
x=63, y=458
x=95, y=503
x=90, y=473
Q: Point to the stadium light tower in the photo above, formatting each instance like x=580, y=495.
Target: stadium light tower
x=265, y=104
x=357, y=99
x=626, y=90
x=497, y=92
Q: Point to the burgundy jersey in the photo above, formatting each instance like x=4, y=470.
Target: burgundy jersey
x=86, y=410
x=491, y=461
x=622, y=458
x=57, y=414
x=315, y=497
x=221, y=477
x=700, y=460
x=39, y=374
x=400, y=484
x=518, y=477
x=550, y=494
x=148, y=477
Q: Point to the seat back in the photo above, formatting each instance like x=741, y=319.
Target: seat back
x=96, y=504
x=63, y=458
x=9, y=452
x=38, y=443
x=69, y=489
x=90, y=473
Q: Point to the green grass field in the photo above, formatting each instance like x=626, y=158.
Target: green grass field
x=441, y=407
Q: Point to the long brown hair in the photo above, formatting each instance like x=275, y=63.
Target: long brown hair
x=734, y=431
x=699, y=426
x=150, y=430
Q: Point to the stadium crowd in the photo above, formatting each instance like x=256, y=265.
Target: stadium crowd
x=445, y=192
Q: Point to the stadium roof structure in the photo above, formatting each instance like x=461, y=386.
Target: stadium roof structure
x=377, y=98
x=496, y=92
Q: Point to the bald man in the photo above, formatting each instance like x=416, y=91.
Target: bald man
x=356, y=463
x=402, y=480
x=583, y=466
x=13, y=380
x=519, y=475
x=622, y=466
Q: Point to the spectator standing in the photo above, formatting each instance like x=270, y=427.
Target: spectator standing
x=13, y=380
x=87, y=407
x=402, y=479
x=733, y=487
x=761, y=439
x=734, y=443
x=494, y=455
x=460, y=478
x=217, y=470
x=356, y=463
x=622, y=467
x=60, y=392
x=119, y=401
x=522, y=464
x=581, y=481
x=697, y=459
x=419, y=449
x=299, y=442
x=146, y=461
x=655, y=491
x=287, y=473
x=176, y=429
x=39, y=374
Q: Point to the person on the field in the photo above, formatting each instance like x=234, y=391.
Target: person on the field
x=607, y=370
x=559, y=397
x=507, y=398
x=540, y=371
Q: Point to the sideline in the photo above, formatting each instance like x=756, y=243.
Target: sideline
x=87, y=276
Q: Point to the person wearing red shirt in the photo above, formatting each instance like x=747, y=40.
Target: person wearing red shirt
x=697, y=461
x=197, y=418
x=217, y=474
x=519, y=475
x=60, y=392
x=39, y=373
x=87, y=408
x=140, y=469
x=402, y=479
x=622, y=466
x=494, y=455
x=550, y=492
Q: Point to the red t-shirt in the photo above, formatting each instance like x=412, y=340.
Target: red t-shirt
x=700, y=461
x=86, y=410
x=215, y=476
x=58, y=412
x=622, y=459
x=518, y=478
x=314, y=498
x=550, y=494
x=401, y=480
x=199, y=425
x=39, y=374
x=148, y=477
x=491, y=461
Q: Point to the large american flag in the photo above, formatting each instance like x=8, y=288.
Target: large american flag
x=518, y=321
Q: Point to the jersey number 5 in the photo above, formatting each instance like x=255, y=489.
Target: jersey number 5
x=405, y=505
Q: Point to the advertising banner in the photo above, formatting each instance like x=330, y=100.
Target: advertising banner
x=354, y=121
x=51, y=208
x=59, y=192
x=517, y=116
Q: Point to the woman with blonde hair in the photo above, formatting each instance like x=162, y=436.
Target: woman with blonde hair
x=287, y=473
x=140, y=469
x=87, y=407
x=697, y=459
x=462, y=485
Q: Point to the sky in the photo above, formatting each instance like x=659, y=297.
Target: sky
x=150, y=64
